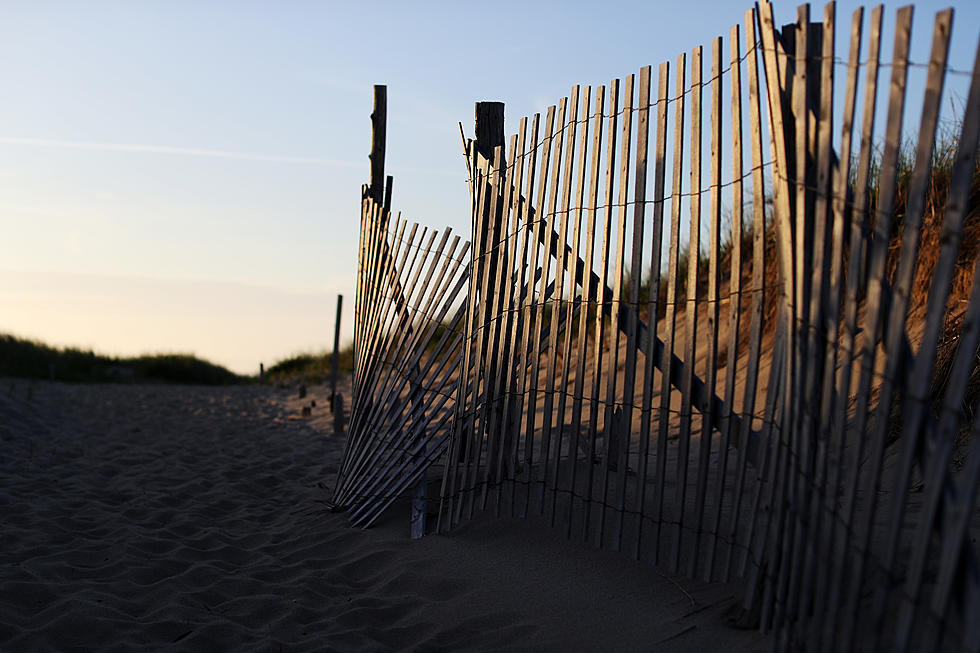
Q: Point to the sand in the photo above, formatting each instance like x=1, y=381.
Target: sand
x=149, y=517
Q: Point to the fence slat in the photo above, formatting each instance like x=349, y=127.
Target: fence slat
x=859, y=253
x=370, y=243
x=390, y=270
x=773, y=60
x=690, y=311
x=385, y=262
x=636, y=279
x=804, y=566
x=371, y=238
x=541, y=225
x=767, y=475
x=600, y=327
x=392, y=381
x=653, y=299
x=402, y=331
x=550, y=216
x=588, y=297
x=956, y=527
x=376, y=491
x=529, y=248
x=505, y=237
x=446, y=296
x=902, y=286
x=468, y=383
x=615, y=433
x=921, y=373
x=954, y=535
x=375, y=345
x=957, y=507
x=734, y=295
x=833, y=438
x=776, y=66
x=843, y=515
x=758, y=290
x=887, y=183
x=558, y=305
x=370, y=461
x=490, y=264
x=670, y=317
x=361, y=280
x=382, y=270
x=778, y=78
x=708, y=418
x=574, y=307
x=799, y=459
x=455, y=454
x=518, y=271
x=471, y=436
x=488, y=225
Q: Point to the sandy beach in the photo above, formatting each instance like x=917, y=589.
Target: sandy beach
x=156, y=517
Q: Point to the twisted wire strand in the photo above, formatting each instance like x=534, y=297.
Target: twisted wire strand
x=532, y=149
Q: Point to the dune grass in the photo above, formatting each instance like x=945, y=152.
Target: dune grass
x=310, y=367
x=31, y=359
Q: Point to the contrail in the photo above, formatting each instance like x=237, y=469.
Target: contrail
x=184, y=151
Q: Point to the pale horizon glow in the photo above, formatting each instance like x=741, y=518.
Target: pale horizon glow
x=186, y=177
x=110, y=315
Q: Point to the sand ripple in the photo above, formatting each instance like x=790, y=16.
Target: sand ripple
x=166, y=518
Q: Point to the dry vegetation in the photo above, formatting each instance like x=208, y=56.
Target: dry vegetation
x=309, y=367
x=35, y=360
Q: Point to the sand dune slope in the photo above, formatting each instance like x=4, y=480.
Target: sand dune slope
x=175, y=518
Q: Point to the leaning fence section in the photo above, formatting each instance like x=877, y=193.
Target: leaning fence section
x=758, y=402
x=409, y=310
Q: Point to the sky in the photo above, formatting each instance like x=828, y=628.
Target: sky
x=185, y=176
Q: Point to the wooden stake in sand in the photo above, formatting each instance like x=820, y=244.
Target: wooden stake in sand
x=335, y=371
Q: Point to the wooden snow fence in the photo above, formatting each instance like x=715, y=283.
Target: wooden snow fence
x=763, y=407
x=409, y=307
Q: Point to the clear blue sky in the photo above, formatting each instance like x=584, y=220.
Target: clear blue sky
x=185, y=176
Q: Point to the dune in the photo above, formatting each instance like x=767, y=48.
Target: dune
x=148, y=517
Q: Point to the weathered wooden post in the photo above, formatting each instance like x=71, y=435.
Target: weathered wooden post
x=489, y=136
x=489, y=127
x=335, y=367
x=490, y=237
x=338, y=422
x=379, y=118
x=338, y=415
x=369, y=260
x=379, y=191
x=372, y=194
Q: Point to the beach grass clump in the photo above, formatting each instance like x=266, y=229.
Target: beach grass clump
x=182, y=368
x=310, y=367
x=25, y=358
